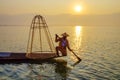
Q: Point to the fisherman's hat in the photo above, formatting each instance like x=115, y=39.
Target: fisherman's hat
x=65, y=34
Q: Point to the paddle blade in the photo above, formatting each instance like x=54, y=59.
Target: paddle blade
x=76, y=56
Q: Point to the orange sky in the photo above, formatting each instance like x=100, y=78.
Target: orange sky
x=53, y=7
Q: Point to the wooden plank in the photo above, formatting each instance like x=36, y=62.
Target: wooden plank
x=10, y=55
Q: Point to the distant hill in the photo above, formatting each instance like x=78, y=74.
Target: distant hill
x=63, y=19
x=16, y=19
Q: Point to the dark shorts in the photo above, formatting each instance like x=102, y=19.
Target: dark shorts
x=62, y=50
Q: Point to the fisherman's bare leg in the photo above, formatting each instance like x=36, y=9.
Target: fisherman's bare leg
x=57, y=51
x=62, y=50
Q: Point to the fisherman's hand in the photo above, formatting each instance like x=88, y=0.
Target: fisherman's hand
x=56, y=35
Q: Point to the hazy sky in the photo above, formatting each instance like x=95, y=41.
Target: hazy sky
x=59, y=6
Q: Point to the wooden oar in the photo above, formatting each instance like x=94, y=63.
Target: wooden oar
x=76, y=56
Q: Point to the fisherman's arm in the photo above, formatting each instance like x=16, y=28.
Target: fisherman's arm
x=68, y=46
x=57, y=38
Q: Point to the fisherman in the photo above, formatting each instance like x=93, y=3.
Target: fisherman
x=63, y=43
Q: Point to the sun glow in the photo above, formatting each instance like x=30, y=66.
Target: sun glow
x=77, y=8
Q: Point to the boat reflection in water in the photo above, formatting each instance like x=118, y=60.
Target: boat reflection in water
x=55, y=69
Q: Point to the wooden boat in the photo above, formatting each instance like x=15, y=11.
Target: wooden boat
x=17, y=58
x=20, y=56
x=39, y=23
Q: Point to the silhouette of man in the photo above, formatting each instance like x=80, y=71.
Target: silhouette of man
x=63, y=43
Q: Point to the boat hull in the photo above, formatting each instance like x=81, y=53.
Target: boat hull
x=20, y=56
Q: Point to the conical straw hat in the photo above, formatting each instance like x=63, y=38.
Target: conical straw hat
x=65, y=34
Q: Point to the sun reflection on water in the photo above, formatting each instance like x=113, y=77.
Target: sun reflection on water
x=76, y=42
x=78, y=38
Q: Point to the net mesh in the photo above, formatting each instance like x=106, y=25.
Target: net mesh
x=39, y=40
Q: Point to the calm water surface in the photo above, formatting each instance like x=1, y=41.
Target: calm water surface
x=98, y=47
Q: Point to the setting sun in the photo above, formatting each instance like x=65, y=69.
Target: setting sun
x=78, y=8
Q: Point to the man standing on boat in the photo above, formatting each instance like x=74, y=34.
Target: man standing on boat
x=63, y=43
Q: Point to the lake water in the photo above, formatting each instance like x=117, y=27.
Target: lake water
x=97, y=46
